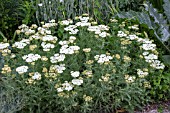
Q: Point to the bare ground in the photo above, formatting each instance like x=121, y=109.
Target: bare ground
x=162, y=107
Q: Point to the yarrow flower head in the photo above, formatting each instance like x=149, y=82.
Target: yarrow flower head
x=36, y=76
x=77, y=81
x=102, y=58
x=22, y=69
x=75, y=74
x=31, y=57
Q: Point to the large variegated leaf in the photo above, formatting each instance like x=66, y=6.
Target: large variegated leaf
x=160, y=20
x=142, y=17
x=166, y=7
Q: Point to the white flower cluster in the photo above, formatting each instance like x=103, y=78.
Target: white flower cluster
x=65, y=86
x=47, y=46
x=75, y=74
x=83, y=21
x=4, y=48
x=23, y=28
x=153, y=60
x=69, y=86
x=99, y=30
x=36, y=36
x=65, y=42
x=148, y=46
x=129, y=79
x=77, y=82
x=29, y=32
x=57, y=58
x=72, y=29
x=57, y=68
x=132, y=37
x=121, y=34
x=49, y=38
x=43, y=31
x=31, y=57
x=142, y=73
x=102, y=58
x=36, y=76
x=135, y=27
x=65, y=49
x=150, y=57
x=72, y=39
x=3, y=45
x=66, y=22
x=21, y=44
x=22, y=69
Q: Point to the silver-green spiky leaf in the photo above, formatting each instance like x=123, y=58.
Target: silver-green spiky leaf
x=166, y=7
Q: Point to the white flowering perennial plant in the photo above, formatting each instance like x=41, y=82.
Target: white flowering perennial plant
x=101, y=61
x=22, y=69
x=102, y=58
x=3, y=45
x=21, y=44
x=75, y=74
x=47, y=46
x=149, y=49
x=36, y=76
x=57, y=58
x=31, y=57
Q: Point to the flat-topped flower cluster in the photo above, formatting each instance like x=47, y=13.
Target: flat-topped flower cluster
x=78, y=56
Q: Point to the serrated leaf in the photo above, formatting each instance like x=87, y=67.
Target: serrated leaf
x=160, y=20
x=142, y=17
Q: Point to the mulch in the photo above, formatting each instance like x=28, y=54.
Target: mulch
x=161, y=107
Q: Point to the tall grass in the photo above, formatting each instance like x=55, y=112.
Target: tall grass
x=55, y=9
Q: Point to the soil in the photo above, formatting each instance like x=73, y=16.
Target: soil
x=162, y=107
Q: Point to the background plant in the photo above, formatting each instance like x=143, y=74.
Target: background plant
x=9, y=17
x=13, y=13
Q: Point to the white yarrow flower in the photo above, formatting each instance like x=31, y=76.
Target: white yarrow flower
x=22, y=69
x=77, y=82
x=75, y=74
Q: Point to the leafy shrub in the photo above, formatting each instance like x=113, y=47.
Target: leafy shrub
x=13, y=13
x=9, y=17
x=80, y=66
x=11, y=99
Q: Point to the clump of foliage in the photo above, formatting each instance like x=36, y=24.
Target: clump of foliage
x=126, y=5
x=13, y=13
x=11, y=99
x=80, y=66
x=8, y=17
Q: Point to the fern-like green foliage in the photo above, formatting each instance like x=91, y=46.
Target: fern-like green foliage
x=152, y=18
